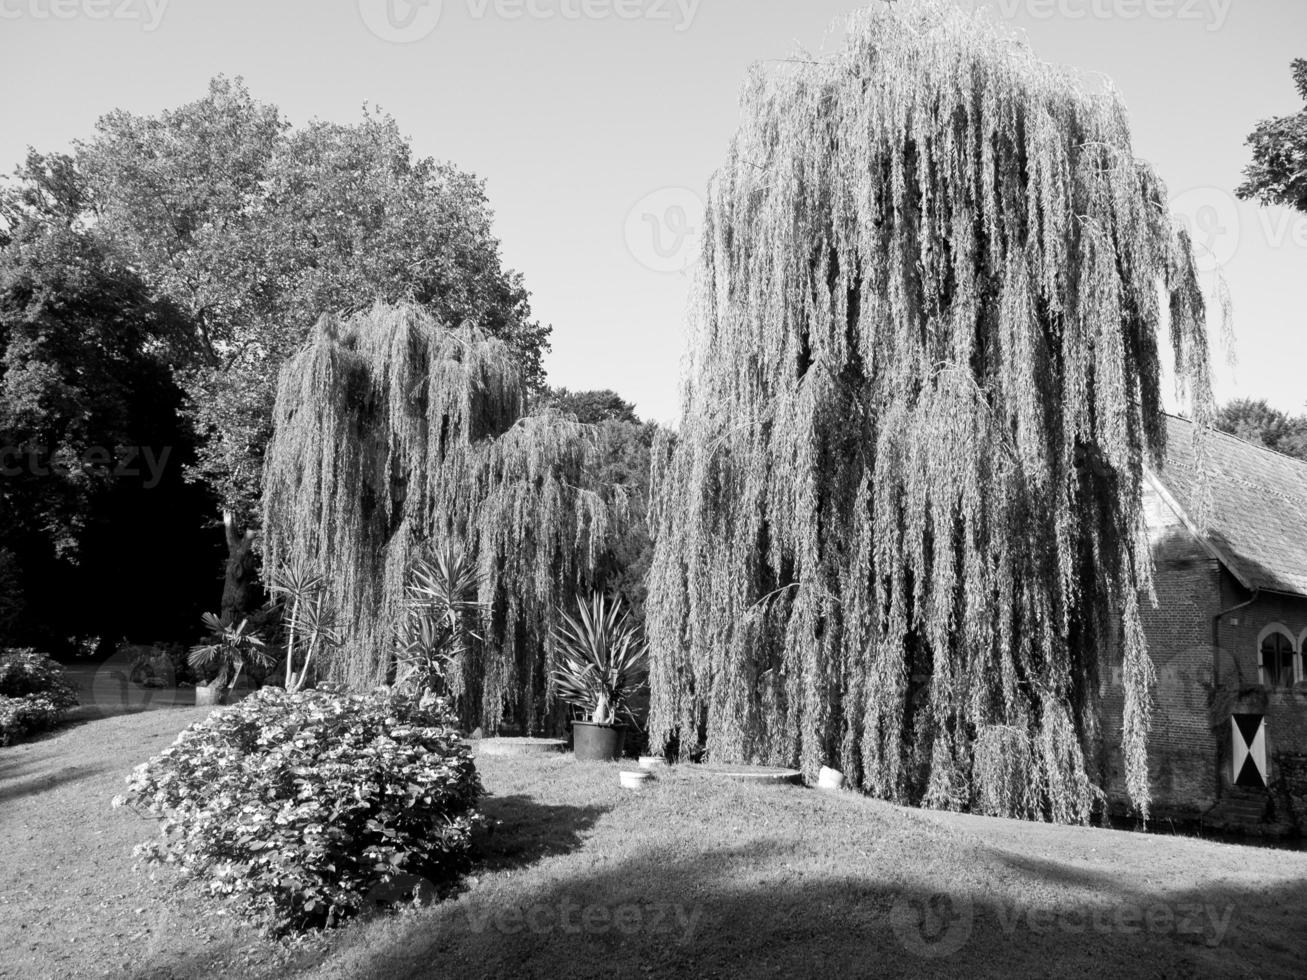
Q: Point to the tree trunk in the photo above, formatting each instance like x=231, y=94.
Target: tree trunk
x=240, y=589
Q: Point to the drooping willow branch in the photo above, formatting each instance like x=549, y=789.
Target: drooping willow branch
x=924, y=382
x=395, y=435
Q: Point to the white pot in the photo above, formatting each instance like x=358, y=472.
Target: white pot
x=830, y=779
x=636, y=780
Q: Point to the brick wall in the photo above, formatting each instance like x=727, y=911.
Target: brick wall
x=1190, y=588
x=1191, y=745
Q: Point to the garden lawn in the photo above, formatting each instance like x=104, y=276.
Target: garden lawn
x=577, y=878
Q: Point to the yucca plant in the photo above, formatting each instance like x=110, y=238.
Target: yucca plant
x=440, y=606
x=309, y=624
x=234, y=646
x=602, y=661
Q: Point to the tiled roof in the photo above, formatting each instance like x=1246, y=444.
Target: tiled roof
x=1256, y=521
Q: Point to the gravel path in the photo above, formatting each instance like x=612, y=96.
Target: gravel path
x=70, y=905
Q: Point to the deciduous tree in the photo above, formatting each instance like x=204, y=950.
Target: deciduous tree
x=255, y=229
x=91, y=446
x=1254, y=420
x=1278, y=172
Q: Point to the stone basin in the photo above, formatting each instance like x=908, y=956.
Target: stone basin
x=517, y=747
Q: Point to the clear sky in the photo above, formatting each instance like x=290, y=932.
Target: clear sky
x=597, y=123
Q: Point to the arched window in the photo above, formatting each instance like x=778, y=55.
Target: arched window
x=1277, y=656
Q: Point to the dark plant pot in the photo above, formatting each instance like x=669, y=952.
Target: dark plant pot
x=597, y=743
x=206, y=696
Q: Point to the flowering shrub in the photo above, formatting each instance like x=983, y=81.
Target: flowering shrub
x=33, y=694
x=297, y=806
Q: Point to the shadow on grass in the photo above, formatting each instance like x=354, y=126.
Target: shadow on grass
x=19, y=788
x=84, y=713
x=520, y=831
x=715, y=915
x=793, y=901
x=748, y=910
x=35, y=765
x=1055, y=873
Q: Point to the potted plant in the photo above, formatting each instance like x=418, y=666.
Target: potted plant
x=602, y=664
x=233, y=647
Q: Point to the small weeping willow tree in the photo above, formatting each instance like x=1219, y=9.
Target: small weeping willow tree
x=394, y=436
x=902, y=518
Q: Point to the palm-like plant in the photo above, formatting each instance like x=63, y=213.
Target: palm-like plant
x=603, y=661
x=309, y=625
x=234, y=646
x=440, y=603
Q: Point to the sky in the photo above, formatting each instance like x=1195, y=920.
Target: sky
x=597, y=124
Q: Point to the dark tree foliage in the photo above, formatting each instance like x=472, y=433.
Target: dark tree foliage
x=11, y=596
x=592, y=407
x=1278, y=172
x=255, y=229
x=100, y=534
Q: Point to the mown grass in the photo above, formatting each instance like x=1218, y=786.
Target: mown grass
x=577, y=878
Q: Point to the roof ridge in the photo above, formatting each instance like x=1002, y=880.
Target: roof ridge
x=1260, y=446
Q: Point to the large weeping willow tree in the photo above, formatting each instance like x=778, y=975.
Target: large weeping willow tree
x=902, y=519
x=394, y=434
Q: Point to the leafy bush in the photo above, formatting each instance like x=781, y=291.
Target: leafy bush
x=297, y=806
x=34, y=695
x=20, y=717
x=26, y=672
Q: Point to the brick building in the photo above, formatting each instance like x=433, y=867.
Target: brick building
x=1228, y=636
